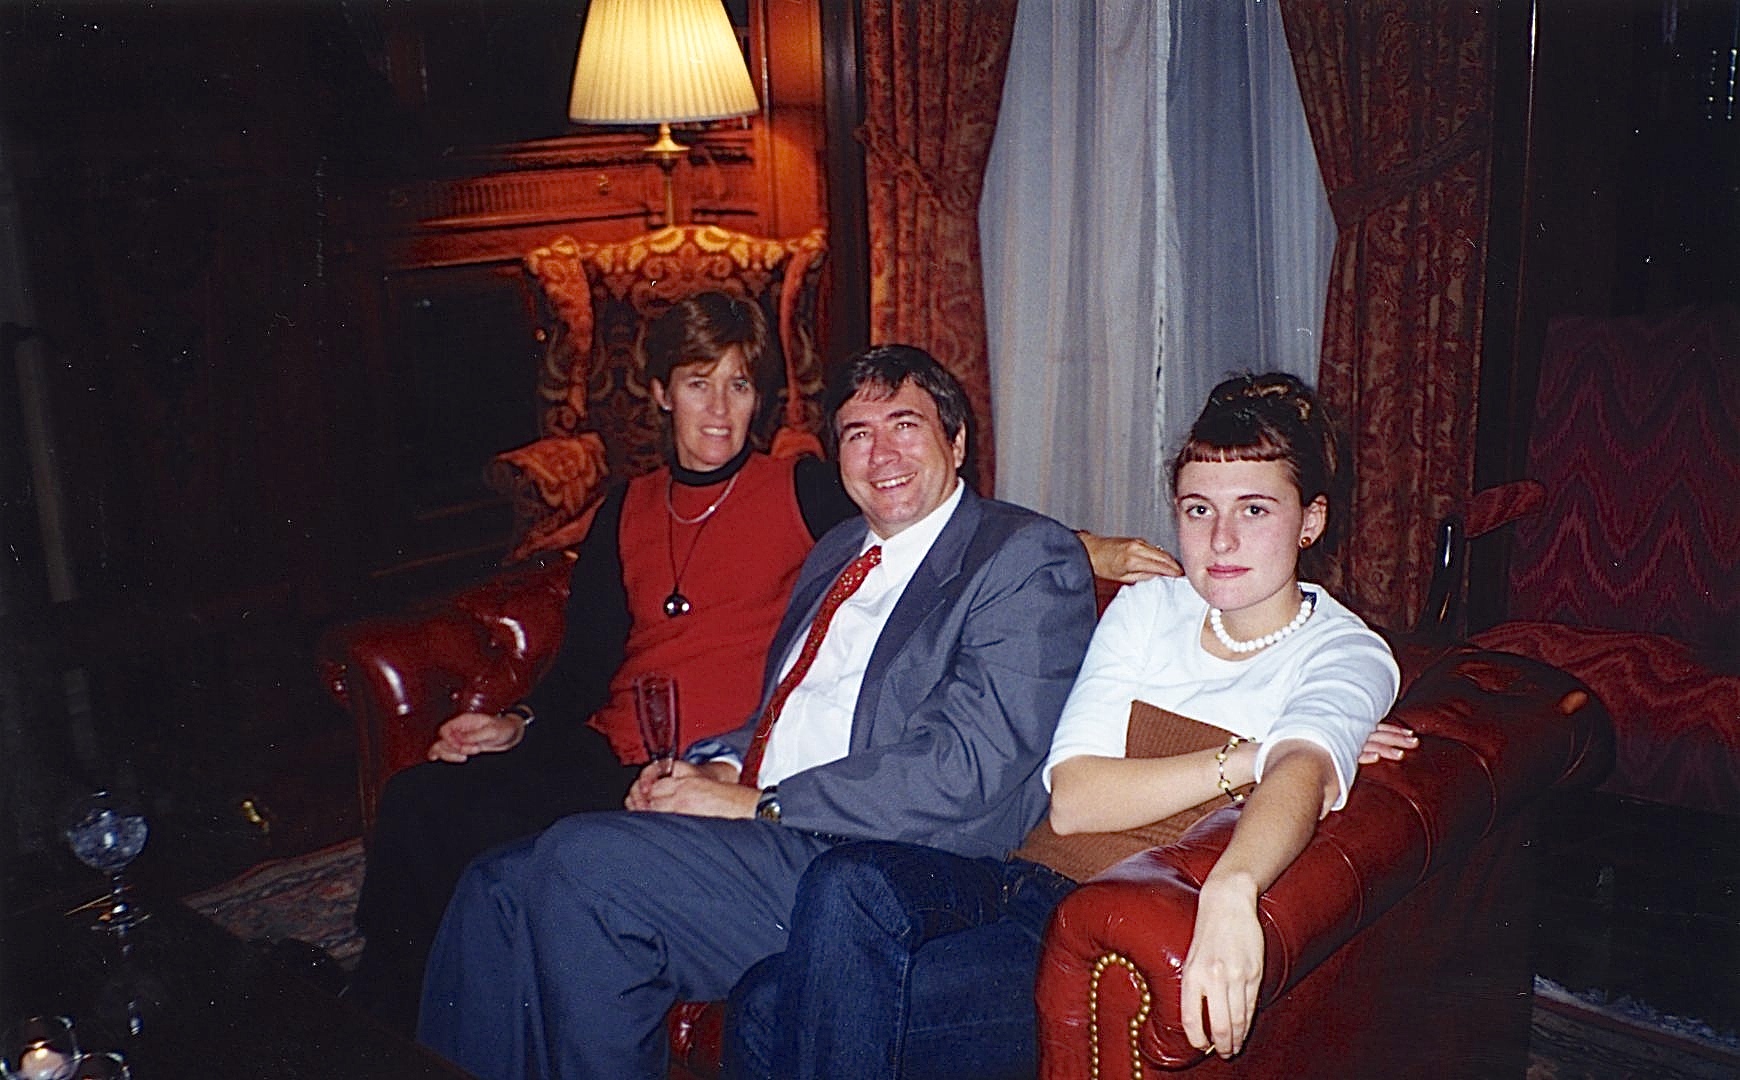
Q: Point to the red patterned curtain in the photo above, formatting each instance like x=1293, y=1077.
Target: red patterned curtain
x=933, y=79
x=1398, y=96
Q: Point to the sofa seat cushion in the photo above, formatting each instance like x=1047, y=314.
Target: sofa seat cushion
x=1676, y=722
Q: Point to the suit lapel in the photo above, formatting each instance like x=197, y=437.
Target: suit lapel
x=924, y=593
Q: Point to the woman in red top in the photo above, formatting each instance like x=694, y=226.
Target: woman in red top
x=685, y=570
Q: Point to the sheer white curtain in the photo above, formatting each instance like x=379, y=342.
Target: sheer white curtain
x=1153, y=219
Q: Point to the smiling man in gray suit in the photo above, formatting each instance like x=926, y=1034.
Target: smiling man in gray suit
x=911, y=692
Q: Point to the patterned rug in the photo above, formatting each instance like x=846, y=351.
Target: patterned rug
x=306, y=898
x=311, y=898
x=1572, y=1039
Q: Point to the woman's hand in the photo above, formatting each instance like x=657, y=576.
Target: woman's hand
x=1389, y=742
x=1224, y=968
x=476, y=733
x=1127, y=559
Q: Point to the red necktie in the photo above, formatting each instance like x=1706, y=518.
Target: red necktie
x=844, y=585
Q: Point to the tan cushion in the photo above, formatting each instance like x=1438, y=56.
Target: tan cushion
x=1153, y=733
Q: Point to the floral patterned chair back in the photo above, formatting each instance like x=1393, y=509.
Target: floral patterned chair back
x=598, y=418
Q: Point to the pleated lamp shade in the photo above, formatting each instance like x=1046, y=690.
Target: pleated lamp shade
x=659, y=62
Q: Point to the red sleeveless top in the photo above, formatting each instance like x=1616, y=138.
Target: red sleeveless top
x=737, y=569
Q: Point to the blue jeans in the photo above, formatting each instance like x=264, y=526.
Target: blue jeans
x=903, y=961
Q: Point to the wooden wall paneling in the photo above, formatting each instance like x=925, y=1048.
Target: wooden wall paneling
x=790, y=84
x=463, y=387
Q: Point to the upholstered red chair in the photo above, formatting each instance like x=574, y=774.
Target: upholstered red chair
x=401, y=676
x=598, y=417
x=1625, y=557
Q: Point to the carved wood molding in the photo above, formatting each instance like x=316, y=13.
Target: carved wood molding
x=546, y=181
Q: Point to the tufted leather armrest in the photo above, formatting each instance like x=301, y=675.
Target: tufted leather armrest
x=402, y=676
x=1497, y=731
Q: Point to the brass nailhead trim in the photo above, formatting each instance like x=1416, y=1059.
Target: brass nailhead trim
x=1105, y=961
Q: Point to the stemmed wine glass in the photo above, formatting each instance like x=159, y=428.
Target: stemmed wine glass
x=109, y=1066
x=40, y=1048
x=655, y=707
x=107, y=832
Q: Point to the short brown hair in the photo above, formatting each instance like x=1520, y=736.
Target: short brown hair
x=702, y=328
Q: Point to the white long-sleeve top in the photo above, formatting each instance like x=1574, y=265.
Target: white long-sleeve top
x=1329, y=682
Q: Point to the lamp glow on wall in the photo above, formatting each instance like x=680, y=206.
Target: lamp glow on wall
x=659, y=62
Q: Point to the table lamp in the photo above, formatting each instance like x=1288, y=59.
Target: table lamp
x=659, y=62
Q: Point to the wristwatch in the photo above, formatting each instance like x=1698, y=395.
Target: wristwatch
x=767, y=807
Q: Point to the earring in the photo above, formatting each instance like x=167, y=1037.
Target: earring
x=1304, y=542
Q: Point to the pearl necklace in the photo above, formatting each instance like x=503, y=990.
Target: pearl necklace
x=1307, y=604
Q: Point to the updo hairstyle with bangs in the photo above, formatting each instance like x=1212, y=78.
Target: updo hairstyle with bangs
x=1272, y=417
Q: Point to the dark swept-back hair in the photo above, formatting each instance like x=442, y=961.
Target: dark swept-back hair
x=881, y=370
x=700, y=329
x=1271, y=417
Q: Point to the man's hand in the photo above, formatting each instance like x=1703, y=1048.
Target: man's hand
x=476, y=733
x=709, y=790
x=1389, y=742
x=1128, y=559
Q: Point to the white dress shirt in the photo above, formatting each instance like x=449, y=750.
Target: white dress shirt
x=815, y=726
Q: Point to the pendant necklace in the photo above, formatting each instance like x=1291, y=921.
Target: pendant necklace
x=677, y=604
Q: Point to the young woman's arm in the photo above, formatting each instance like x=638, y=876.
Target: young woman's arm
x=1090, y=793
x=1224, y=968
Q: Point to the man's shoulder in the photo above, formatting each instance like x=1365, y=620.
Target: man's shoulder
x=1006, y=519
x=1011, y=542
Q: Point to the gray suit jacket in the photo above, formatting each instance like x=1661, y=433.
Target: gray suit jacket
x=963, y=690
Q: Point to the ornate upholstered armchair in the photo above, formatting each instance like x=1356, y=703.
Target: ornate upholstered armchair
x=598, y=418
x=1625, y=555
x=401, y=676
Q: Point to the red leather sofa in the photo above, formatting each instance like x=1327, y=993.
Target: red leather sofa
x=1397, y=943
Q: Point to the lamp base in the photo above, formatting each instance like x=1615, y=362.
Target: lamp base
x=665, y=151
x=664, y=145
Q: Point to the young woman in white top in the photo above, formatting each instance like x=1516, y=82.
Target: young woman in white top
x=905, y=961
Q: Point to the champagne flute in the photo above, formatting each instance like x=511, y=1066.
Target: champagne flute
x=106, y=832
x=655, y=708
